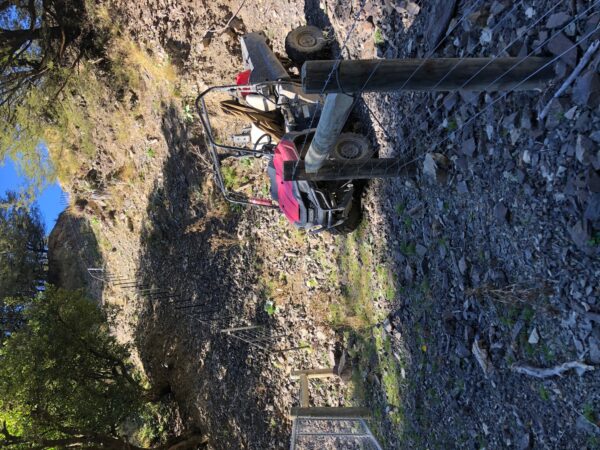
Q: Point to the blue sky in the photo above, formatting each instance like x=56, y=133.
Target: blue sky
x=49, y=200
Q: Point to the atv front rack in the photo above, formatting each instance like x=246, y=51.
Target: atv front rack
x=218, y=151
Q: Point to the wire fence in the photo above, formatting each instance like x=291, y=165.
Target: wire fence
x=309, y=433
x=236, y=325
x=498, y=75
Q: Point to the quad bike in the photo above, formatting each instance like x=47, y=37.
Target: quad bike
x=283, y=121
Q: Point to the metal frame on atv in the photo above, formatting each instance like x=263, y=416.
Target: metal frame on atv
x=229, y=150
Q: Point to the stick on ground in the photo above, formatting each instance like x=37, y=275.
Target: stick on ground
x=551, y=371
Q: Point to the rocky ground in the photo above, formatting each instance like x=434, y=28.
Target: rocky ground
x=459, y=274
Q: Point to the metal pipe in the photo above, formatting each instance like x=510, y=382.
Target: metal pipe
x=443, y=74
x=335, y=113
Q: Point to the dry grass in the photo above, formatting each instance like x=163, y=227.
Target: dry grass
x=533, y=293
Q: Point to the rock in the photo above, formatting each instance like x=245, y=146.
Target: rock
x=462, y=265
x=206, y=40
x=462, y=187
x=450, y=101
x=580, y=234
x=592, y=212
x=594, y=351
x=412, y=8
x=470, y=97
x=501, y=213
x=439, y=19
x=229, y=36
x=560, y=45
x=524, y=442
x=534, y=337
x=421, y=250
x=555, y=113
x=557, y=20
x=482, y=357
x=586, y=91
x=584, y=149
x=585, y=426
x=468, y=147
x=238, y=25
x=497, y=8
x=436, y=167
x=344, y=368
x=530, y=12
x=486, y=36
x=368, y=27
x=570, y=114
x=409, y=273
x=593, y=180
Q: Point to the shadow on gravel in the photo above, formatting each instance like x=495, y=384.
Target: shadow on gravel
x=214, y=380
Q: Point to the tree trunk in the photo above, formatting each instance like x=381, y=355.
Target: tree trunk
x=17, y=38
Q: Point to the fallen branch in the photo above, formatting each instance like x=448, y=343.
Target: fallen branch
x=220, y=30
x=551, y=371
x=584, y=61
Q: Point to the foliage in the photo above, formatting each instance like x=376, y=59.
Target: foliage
x=57, y=78
x=378, y=37
x=37, y=52
x=64, y=379
x=270, y=307
x=22, y=256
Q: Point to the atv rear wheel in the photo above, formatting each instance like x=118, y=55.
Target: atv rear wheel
x=352, y=221
x=305, y=44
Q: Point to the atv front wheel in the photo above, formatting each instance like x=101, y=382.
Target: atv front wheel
x=305, y=44
x=352, y=221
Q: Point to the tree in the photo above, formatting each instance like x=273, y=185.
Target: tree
x=35, y=36
x=23, y=259
x=23, y=252
x=66, y=382
x=40, y=42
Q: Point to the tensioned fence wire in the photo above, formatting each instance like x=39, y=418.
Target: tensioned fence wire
x=534, y=23
x=231, y=321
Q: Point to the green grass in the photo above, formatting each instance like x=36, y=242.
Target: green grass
x=544, y=394
x=408, y=248
x=589, y=413
x=188, y=114
x=312, y=283
x=152, y=425
x=270, y=307
x=387, y=282
x=378, y=37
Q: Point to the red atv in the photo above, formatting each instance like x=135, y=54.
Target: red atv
x=283, y=121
